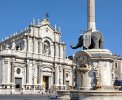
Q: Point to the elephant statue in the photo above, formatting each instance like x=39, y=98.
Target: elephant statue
x=90, y=40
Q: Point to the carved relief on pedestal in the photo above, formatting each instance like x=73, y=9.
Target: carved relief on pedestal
x=96, y=77
x=82, y=62
x=114, y=74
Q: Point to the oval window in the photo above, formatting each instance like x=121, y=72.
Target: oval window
x=18, y=70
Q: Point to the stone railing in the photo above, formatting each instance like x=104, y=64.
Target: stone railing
x=12, y=53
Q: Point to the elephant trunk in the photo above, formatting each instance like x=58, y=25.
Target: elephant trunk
x=76, y=46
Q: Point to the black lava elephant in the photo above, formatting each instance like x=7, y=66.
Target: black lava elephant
x=96, y=41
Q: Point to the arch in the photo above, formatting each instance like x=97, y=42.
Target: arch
x=47, y=38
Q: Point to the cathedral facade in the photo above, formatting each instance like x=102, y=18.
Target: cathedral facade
x=34, y=60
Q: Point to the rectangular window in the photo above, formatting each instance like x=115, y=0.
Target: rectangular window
x=116, y=65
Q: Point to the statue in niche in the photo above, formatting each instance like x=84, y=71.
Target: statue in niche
x=90, y=40
x=46, y=48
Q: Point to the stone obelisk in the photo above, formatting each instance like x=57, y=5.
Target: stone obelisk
x=91, y=15
x=93, y=65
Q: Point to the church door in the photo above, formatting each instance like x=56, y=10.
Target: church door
x=46, y=82
x=67, y=84
x=18, y=82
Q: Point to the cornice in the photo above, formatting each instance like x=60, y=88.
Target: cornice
x=37, y=59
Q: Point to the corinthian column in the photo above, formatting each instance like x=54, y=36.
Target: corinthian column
x=91, y=15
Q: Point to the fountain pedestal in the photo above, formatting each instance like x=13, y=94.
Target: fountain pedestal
x=94, y=77
x=94, y=69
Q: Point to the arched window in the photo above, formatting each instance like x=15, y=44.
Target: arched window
x=19, y=45
x=46, y=47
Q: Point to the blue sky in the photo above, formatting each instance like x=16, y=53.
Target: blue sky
x=70, y=15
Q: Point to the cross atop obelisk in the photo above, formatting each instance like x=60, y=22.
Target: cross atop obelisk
x=91, y=15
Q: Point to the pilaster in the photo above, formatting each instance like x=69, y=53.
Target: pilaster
x=28, y=44
x=40, y=46
x=41, y=78
x=56, y=76
x=64, y=78
x=6, y=71
x=27, y=71
x=12, y=71
x=57, y=50
x=34, y=46
x=64, y=51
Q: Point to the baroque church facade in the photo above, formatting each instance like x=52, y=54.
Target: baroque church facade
x=35, y=60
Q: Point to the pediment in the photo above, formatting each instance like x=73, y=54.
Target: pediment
x=46, y=69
